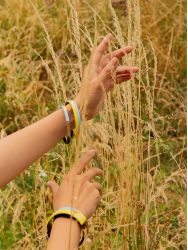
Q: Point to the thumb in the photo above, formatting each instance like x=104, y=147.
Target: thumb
x=53, y=187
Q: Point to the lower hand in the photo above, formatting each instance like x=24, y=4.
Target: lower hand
x=77, y=189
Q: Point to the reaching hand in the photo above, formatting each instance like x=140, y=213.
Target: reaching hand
x=100, y=76
x=77, y=190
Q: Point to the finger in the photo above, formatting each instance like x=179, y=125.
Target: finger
x=53, y=187
x=119, y=53
x=125, y=73
x=92, y=172
x=123, y=78
x=126, y=69
x=108, y=74
x=83, y=162
x=98, y=187
x=99, y=51
x=109, y=70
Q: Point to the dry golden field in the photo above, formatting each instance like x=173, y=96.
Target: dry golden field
x=140, y=134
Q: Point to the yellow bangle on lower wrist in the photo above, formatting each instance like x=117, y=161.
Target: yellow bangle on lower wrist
x=76, y=214
x=68, y=212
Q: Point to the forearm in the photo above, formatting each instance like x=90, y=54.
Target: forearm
x=65, y=235
x=20, y=149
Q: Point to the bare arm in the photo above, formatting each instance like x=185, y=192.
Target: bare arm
x=65, y=232
x=20, y=149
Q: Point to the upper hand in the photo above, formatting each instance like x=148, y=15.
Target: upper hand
x=100, y=76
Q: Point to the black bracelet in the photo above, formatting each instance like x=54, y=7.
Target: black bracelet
x=49, y=226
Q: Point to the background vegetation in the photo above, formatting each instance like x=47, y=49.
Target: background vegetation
x=140, y=134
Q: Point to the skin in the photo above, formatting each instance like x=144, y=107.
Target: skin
x=65, y=233
x=29, y=144
x=101, y=75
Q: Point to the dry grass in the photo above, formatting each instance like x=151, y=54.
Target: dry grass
x=140, y=133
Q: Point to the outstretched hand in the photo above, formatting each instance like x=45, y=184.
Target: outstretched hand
x=101, y=75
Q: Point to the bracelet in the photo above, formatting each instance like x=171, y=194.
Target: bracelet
x=75, y=213
x=72, y=212
x=68, y=208
x=77, y=117
x=68, y=212
x=66, y=139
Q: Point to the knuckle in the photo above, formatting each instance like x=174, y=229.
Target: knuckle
x=96, y=193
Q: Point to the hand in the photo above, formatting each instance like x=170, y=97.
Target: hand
x=100, y=76
x=77, y=190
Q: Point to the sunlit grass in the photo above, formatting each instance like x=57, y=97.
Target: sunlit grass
x=139, y=135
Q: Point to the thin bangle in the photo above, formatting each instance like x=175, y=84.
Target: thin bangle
x=68, y=208
x=67, y=119
x=66, y=139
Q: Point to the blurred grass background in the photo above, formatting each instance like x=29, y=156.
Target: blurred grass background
x=140, y=134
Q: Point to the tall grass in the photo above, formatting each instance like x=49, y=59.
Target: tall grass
x=139, y=135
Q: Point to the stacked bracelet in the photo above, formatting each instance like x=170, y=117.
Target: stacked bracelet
x=77, y=119
x=75, y=213
x=67, y=119
x=68, y=212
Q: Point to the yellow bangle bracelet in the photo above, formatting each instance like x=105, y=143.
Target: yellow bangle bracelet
x=80, y=217
x=70, y=212
x=76, y=116
x=77, y=215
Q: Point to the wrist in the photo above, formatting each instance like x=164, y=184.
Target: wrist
x=66, y=222
x=65, y=234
